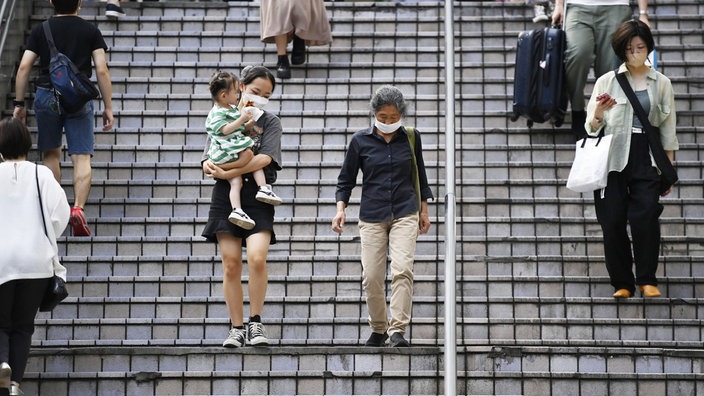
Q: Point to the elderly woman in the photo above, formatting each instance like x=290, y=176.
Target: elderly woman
x=28, y=256
x=393, y=210
x=633, y=188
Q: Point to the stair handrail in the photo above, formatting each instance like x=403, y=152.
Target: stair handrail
x=450, y=347
x=8, y=6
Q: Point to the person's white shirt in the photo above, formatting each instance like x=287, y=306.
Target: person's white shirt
x=25, y=251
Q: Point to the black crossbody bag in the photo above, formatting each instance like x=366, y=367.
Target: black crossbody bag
x=668, y=173
x=56, y=290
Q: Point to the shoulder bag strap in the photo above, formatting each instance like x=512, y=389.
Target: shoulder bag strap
x=41, y=209
x=411, y=133
x=656, y=148
x=41, y=205
x=39, y=193
x=49, y=38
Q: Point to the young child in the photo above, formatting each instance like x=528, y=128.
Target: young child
x=225, y=125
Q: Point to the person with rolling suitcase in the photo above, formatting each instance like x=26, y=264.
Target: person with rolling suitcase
x=588, y=25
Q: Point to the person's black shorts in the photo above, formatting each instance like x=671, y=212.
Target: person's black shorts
x=220, y=208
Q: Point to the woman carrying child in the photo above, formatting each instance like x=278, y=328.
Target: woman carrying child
x=257, y=85
x=226, y=126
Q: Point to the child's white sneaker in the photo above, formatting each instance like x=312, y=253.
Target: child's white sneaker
x=267, y=196
x=239, y=218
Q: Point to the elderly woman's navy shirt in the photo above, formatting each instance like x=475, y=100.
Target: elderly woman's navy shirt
x=387, y=186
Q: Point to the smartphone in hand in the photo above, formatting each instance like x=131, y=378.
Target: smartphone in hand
x=603, y=98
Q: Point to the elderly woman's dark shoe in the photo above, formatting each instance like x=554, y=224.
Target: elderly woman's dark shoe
x=377, y=340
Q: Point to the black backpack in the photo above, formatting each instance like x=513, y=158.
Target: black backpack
x=72, y=88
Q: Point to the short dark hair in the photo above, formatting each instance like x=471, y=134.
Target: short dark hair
x=15, y=140
x=624, y=34
x=251, y=73
x=65, y=6
x=220, y=81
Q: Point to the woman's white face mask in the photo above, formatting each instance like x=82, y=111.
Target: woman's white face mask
x=387, y=128
x=255, y=100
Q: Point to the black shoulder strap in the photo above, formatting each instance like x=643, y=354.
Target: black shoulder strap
x=651, y=132
x=39, y=193
x=49, y=38
x=640, y=112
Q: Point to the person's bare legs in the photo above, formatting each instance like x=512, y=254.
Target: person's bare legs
x=82, y=177
x=52, y=159
x=231, y=252
x=235, y=189
x=257, y=250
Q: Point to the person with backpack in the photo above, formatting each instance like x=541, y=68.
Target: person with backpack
x=393, y=211
x=82, y=43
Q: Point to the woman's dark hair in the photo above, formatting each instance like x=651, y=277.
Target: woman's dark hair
x=251, y=73
x=388, y=95
x=65, y=6
x=622, y=37
x=220, y=81
x=15, y=140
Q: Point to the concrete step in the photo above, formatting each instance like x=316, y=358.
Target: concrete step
x=346, y=329
x=220, y=371
x=482, y=370
x=582, y=371
x=297, y=264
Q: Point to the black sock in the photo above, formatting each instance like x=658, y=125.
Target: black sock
x=255, y=318
x=283, y=60
x=241, y=327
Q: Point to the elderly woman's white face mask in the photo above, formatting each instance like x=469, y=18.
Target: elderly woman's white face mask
x=388, y=119
x=387, y=128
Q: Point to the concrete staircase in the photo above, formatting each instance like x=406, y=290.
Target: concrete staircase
x=146, y=314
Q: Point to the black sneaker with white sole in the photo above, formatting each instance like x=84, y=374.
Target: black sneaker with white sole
x=114, y=11
x=256, y=335
x=235, y=338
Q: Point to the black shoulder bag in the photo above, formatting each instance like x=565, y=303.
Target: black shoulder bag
x=56, y=291
x=668, y=173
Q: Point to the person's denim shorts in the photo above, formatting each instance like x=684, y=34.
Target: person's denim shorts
x=51, y=122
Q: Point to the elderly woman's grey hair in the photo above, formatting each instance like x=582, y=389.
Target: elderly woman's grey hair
x=388, y=95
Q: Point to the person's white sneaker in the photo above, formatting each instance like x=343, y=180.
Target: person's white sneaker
x=267, y=196
x=239, y=218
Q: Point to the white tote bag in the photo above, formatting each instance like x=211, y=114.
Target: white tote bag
x=590, y=167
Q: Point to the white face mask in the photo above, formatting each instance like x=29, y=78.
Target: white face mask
x=255, y=100
x=387, y=128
